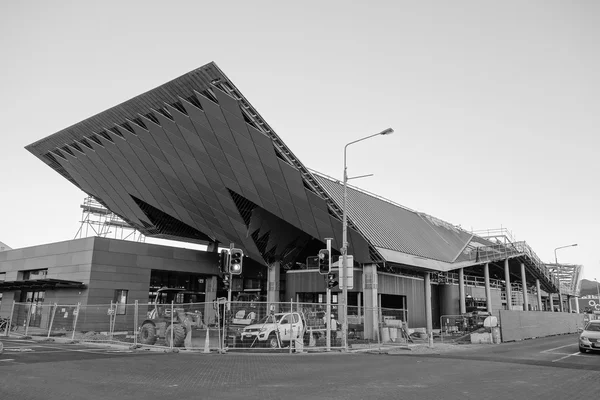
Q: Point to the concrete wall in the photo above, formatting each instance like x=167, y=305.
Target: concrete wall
x=70, y=260
x=519, y=325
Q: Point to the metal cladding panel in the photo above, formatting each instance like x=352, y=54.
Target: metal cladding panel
x=396, y=228
x=192, y=162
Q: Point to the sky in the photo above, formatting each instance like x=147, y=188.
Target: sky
x=494, y=103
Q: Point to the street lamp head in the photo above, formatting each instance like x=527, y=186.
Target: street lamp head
x=388, y=131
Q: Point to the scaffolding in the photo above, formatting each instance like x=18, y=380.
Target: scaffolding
x=97, y=220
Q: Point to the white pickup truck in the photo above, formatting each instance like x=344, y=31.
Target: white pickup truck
x=274, y=330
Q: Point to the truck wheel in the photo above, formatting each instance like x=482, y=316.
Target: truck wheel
x=147, y=334
x=272, y=341
x=178, y=335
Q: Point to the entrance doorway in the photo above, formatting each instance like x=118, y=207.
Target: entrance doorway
x=36, y=301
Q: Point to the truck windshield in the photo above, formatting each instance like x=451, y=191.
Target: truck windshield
x=269, y=319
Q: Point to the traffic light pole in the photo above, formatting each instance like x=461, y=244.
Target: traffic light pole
x=328, y=314
x=230, y=281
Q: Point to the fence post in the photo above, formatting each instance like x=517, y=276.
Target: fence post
x=111, y=319
x=291, y=323
x=28, y=318
x=75, y=322
x=52, y=319
x=171, y=346
x=12, y=312
x=135, y=323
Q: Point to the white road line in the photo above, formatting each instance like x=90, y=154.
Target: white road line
x=556, y=348
x=8, y=359
x=567, y=356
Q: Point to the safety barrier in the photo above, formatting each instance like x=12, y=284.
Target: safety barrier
x=211, y=326
x=460, y=328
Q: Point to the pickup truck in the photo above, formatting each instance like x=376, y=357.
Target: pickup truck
x=274, y=330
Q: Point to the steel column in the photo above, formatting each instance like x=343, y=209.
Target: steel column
x=508, y=287
x=488, y=290
x=524, y=284
x=461, y=290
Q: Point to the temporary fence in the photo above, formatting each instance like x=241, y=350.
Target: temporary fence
x=460, y=328
x=212, y=326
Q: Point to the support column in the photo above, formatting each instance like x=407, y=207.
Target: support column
x=551, y=301
x=273, y=275
x=359, y=301
x=569, y=303
x=210, y=295
x=539, y=294
x=370, y=301
x=577, y=304
x=428, y=312
x=488, y=290
x=560, y=302
x=508, y=287
x=461, y=290
x=524, y=284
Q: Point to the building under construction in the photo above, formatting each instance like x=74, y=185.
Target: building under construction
x=193, y=160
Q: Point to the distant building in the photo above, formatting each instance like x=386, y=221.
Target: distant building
x=4, y=247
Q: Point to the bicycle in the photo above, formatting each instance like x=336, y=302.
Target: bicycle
x=4, y=323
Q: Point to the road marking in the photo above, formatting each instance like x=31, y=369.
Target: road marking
x=556, y=348
x=567, y=356
x=8, y=359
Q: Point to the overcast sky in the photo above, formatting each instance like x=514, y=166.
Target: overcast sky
x=495, y=103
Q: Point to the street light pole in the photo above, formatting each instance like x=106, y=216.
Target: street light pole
x=343, y=274
x=559, y=269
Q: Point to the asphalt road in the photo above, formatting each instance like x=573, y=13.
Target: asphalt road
x=549, y=368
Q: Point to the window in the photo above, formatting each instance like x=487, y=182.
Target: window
x=120, y=300
x=2, y=279
x=35, y=274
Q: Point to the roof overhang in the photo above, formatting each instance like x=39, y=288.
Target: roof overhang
x=416, y=261
x=40, y=284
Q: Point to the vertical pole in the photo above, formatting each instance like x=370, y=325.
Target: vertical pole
x=344, y=261
x=428, y=314
x=551, y=300
x=292, y=338
x=135, y=324
x=577, y=305
x=359, y=296
x=172, y=312
x=230, y=282
x=328, y=294
x=28, y=317
x=75, y=322
x=508, y=287
x=12, y=312
x=461, y=290
x=219, y=325
x=55, y=306
x=488, y=290
x=539, y=294
x=524, y=284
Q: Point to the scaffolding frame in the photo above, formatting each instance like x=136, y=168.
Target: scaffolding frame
x=97, y=220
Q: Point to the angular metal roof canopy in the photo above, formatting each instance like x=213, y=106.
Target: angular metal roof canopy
x=192, y=160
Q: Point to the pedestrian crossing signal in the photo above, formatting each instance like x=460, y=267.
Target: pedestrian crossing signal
x=324, y=266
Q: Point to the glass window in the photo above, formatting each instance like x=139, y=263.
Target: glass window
x=35, y=274
x=120, y=300
x=2, y=279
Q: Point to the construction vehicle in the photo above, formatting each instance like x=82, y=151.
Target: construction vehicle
x=161, y=323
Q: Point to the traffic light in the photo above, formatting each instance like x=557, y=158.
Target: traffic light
x=235, y=261
x=324, y=267
x=226, y=282
x=331, y=282
x=223, y=260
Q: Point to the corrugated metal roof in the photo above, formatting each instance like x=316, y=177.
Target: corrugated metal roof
x=397, y=228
